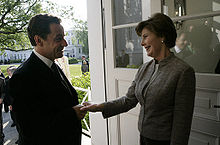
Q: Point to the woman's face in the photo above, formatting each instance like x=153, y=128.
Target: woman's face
x=152, y=43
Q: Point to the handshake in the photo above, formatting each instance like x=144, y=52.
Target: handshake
x=81, y=110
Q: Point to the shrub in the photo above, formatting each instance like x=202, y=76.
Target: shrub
x=82, y=81
x=73, y=60
x=16, y=61
x=133, y=66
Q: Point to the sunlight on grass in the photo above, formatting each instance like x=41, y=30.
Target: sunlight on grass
x=4, y=68
x=75, y=70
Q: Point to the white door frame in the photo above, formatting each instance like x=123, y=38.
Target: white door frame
x=98, y=125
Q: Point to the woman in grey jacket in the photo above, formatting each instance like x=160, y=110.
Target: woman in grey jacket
x=164, y=87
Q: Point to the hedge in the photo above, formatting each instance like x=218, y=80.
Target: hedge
x=82, y=81
x=73, y=60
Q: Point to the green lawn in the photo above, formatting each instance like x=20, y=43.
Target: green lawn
x=4, y=69
x=75, y=70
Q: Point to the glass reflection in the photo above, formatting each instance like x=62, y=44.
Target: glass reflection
x=128, y=51
x=175, y=8
x=182, y=48
x=180, y=7
x=198, y=44
x=127, y=11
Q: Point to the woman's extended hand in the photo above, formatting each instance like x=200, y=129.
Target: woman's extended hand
x=80, y=114
x=92, y=107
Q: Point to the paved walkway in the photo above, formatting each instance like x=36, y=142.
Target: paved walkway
x=11, y=134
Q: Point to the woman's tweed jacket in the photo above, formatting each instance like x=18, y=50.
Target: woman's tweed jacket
x=167, y=104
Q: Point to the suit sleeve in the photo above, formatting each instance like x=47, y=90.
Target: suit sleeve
x=124, y=103
x=2, y=88
x=183, y=108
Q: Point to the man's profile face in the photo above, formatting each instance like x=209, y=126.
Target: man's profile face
x=83, y=58
x=55, y=42
x=8, y=71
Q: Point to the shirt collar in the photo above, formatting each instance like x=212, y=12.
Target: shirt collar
x=177, y=49
x=47, y=61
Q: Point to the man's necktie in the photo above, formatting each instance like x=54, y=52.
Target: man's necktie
x=58, y=74
x=56, y=71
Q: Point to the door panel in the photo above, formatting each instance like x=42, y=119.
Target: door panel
x=124, y=55
x=129, y=120
x=129, y=128
x=206, y=126
x=205, y=99
x=198, y=138
x=123, y=87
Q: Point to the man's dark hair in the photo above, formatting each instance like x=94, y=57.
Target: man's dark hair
x=162, y=26
x=40, y=25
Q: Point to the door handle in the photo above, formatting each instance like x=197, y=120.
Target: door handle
x=215, y=106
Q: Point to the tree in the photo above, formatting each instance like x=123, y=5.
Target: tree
x=14, y=17
x=81, y=28
x=61, y=11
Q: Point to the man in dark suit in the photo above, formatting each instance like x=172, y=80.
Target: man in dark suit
x=85, y=65
x=2, y=81
x=8, y=98
x=4, y=100
x=45, y=103
x=1, y=73
x=182, y=48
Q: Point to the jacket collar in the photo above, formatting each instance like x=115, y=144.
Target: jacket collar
x=165, y=60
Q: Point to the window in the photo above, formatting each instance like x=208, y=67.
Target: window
x=127, y=11
x=199, y=44
x=187, y=7
x=128, y=51
x=198, y=32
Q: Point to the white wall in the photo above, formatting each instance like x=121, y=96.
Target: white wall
x=14, y=55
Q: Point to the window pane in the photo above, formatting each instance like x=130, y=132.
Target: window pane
x=175, y=8
x=128, y=51
x=127, y=11
x=198, y=44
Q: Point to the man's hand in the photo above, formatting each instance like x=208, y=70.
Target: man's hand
x=1, y=100
x=80, y=113
x=89, y=106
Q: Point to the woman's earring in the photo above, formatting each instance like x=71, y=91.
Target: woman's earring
x=162, y=41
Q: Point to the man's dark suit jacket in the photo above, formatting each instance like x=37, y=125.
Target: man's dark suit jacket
x=43, y=106
x=1, y=119
x=7, y=99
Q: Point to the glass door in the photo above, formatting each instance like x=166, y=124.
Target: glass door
x=124, y=55
x=198, y=32
x=198, y=27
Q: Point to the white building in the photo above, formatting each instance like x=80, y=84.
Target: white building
x=74, y=49
x=10, y=55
